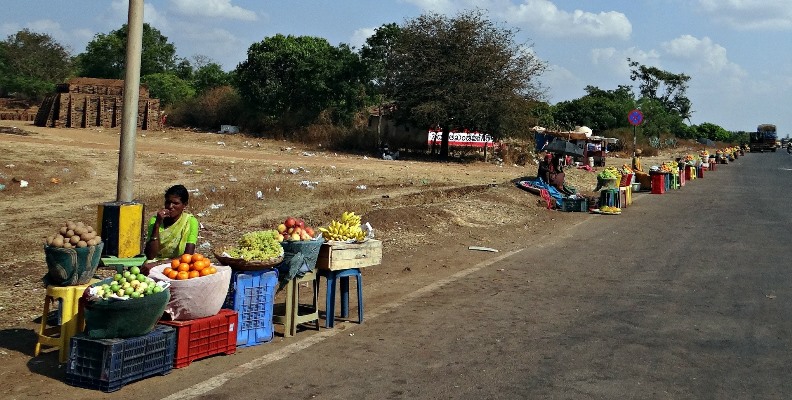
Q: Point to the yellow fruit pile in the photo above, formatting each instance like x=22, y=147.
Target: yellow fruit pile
x=347, y=228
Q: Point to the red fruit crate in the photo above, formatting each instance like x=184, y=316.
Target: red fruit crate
x=204, y=337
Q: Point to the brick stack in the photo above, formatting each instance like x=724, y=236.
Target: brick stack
x=14, y=110
x=91, y=102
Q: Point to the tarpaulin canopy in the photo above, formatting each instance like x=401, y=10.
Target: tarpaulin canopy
x=564, y=147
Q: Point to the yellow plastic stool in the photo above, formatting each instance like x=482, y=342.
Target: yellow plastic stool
x=289, y=316
x=72, y=320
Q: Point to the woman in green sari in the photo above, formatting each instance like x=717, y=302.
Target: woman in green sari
x=172, y=232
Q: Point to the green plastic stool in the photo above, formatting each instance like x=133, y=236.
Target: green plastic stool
x=292, y=313
x=121, y=263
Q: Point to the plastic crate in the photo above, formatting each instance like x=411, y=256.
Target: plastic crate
x=574, y=205
x=109, y=364
x=204, y=337
x=252, y=295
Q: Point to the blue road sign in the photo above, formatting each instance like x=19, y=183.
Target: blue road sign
x=635, y=117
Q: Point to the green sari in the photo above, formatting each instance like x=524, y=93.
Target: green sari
x=174, y=238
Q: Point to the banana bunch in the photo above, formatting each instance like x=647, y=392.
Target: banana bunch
x=350, y=218
x=348, y=228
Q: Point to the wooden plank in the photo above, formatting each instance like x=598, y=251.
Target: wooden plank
x=350, y=255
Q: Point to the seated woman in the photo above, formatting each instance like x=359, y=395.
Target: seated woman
x=557, y=177
x=172, y=231
x=545, y=166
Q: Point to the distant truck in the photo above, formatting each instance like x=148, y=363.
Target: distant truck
x=763, y=139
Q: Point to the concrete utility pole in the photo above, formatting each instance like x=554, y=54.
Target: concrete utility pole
x=126, y=157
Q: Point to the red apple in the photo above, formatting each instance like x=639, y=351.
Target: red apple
x=309, y=231
x=297, y=230
x=290, y=222
x=300, y=223
x=305, y=236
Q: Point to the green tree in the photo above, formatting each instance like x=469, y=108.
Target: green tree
x=461, y=72
x=210, y=76
x=168, y=88
x=599, y=109
x=377, y=54
x=105, y=55
x=666, y=87
x=292, y=79
x=31, y=64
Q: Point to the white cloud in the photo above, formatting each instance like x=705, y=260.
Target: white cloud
x=615, y=61
x=708, y=57
x=548, y=19
x=119, y=15
x=542, y=16
x=213, y=9
x=750, y=14
x=216, y=43
x=359, y=37
x=562, y=83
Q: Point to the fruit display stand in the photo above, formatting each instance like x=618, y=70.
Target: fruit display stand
x=204, y=337
x=109, y=364
x=335, y=256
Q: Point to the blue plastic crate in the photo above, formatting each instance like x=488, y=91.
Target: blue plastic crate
x=252, y=296
x=109, y=364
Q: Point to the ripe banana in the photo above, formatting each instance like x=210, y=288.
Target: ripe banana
x=347, y=228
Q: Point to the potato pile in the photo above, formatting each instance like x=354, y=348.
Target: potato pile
x=72, y=235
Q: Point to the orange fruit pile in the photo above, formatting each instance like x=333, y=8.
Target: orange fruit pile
x=189, y=266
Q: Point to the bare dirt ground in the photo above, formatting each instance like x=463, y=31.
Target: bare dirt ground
x=426, y=213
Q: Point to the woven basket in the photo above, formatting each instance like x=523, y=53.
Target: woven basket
x=240, y=264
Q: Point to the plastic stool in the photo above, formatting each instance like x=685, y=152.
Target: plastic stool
x=121, y=263
x=290, y=315
x=343, y=275
x=71, y=317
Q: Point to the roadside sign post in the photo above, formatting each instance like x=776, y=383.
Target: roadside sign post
x=636, y=118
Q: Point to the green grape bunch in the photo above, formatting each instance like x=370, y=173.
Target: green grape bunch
x=258, y=246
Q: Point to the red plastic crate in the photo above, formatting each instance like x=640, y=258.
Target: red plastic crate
x=204, y=337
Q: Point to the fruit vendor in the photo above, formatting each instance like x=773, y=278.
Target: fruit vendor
x=172, y=231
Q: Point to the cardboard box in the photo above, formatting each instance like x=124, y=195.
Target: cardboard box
x=349, y=255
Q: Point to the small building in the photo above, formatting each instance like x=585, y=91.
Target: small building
x=92, y=102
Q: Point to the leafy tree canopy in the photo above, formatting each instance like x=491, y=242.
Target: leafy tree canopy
x=377, y=55
x=463, y=71
x=105, y=55
x=599, y=109
x=31, y=64
x=292, y=79
x=168, y=88
x=666, y=87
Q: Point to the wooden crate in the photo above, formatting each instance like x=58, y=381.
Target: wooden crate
x=349, y=255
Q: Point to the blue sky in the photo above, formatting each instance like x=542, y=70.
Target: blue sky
x=738, y=52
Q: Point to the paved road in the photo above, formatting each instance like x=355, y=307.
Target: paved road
x=686, y=295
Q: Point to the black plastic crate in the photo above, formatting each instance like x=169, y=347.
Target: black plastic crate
x=109, y=364
x=576, y=205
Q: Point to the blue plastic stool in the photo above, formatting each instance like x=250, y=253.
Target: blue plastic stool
x=344, y=276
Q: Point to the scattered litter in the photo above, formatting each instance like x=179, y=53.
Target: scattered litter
x=198, y=171
x=216, y=206
x=188, y=162
x=193, y=190
x=23, y=183
x=479, y=248
x=205, y=246
x=307, y=154
x=201, y=214
x=365, y=158
x=66, y=170
x=228, y=129
x=361, y=187
x=285, y=148
x=309, y=184
x=294, y=171
x=10, y=165
x=221, y=143
x=501, y=269
x=2, y=186
x=277, y=189
x=55, y=180
x=233, y=179
x=332, y=167
x=260, y=195
x=352, y=334
x=770, y=296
